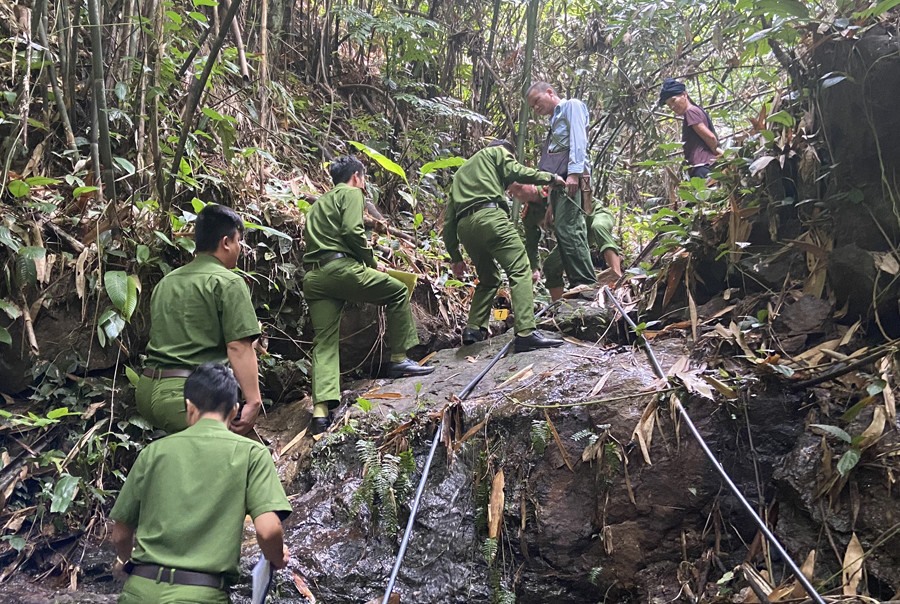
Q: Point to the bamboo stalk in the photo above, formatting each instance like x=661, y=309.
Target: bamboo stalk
x=101, y=116
x=192, y=103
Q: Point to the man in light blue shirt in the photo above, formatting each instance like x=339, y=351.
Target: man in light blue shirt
x=565, y=153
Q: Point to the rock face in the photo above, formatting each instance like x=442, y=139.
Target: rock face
x=567, y=534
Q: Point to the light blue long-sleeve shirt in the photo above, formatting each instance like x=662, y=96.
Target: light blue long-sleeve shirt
x=568, y=130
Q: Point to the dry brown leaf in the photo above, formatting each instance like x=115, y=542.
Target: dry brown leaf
x=471, y=359
x=302, y=587
x=643, y=432
x=393, y=599
x=890, y=403
x=495, y=507
x=851, y=573
x=383, y=395
x=808, y=570
x=850, y=333
x=562, y=449
x=600, y=384
x=469, y=434
x=692, y=307
x=871, y=434
x=886, y=261
x=522, y=374
x=293, y=442
x=720, y=386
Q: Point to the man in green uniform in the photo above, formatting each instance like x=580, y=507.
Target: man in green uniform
x=179, y=519
x=478, y=217
x=201, y=313
x=600, y=225
x=340, y=268
x=565, y=153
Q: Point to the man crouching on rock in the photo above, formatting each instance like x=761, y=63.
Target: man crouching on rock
x=340, y=268
x=478, y=217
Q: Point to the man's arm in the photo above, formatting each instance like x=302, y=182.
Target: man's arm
x=709, y=139
x=353, y=231
x=512, y=171
x=242, y=357
x=123, y=541
x=451, y=237
x=270, y=536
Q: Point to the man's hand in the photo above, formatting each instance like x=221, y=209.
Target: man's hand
x=536, y=275
x=249, y=413
x=572, y=183
x=459, y=269
x=558, y=181
x=285, y=558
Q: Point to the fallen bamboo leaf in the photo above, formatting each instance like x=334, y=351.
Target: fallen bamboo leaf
x=758, y=583
x=890, y=403
x=577, y=342
x=721, y=387
x=600, y=384
x=495, y=506
x=470, y=433
x=871, y=434
x=808, y=570
x=383, y=396
x=849, y=335
x=644, y=430
x=427, y=358
x=518, y=376
x=471, y=359
x=692, y=307
x=293, y=442
x=851, y=573
x=559, y=444
x=302, y=587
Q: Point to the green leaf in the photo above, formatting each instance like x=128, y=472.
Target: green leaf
x=876, y=387
x=383, y=161
x=5, y=337
x=198, y=205
x=120, y=90
x=782, y=117
x=142, y=253
x=447, y=162
x=134, y=286
x=18, y=188
x=63, y=493
x=163, y=237
x=364, y=404
x=267, y=230
x=132, y=376
x=59, y=412
x=116, y=283
x=41, y=181
x=832, y=430
x=113, y=326
x=12, y=311
x=205, y=3
x=79, y=191
x=848, y=461
x=125, y=165
x=878, y=9
x=199, y=17
x=6, y=238
x=186, y=244
x=26, y=269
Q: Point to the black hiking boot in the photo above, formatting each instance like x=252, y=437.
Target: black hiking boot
x=318, y=425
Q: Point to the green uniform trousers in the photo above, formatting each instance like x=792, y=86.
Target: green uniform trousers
x=138, y=590
x=571, y=240
x=161, y=402
x=327, y=289
x=489, y=236
x=600, y=228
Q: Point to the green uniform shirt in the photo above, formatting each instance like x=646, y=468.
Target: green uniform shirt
x=334, y=223
x=195, y=311
x=188, y=493
x=484, y=178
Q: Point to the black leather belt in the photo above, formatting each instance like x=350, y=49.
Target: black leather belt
x=474, y=208
x=175, y=576
x=324, y=260
x=155, y=373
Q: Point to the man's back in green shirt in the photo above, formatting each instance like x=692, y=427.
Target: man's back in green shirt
x=195, y=311
x=188, y=493
x=334, y=223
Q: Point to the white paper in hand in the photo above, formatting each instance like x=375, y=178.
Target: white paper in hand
x=262, y=580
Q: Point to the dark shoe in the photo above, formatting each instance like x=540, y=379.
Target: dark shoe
x=320, y=424
x=470, y=336
x=535, y=341
x=407, y=368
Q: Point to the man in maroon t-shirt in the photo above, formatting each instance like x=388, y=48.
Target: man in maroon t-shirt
x=701, y=146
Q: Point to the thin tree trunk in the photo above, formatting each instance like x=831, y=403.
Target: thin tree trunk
x=263, y=86
x=194, y=100
x=530, y=38
x=99, y=91
x=238, y=41
x=57, y=91
x=488, y=58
